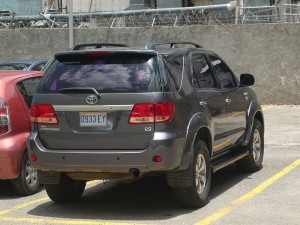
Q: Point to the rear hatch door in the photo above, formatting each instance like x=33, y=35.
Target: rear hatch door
x=92, y=94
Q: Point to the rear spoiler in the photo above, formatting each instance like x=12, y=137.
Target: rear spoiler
x=85, y=55
x=96, y=45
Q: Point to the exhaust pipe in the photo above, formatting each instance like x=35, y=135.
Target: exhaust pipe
x=135, y=173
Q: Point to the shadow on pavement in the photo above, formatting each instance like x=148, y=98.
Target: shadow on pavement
x=146, y=199
x=226, y=178
x=7, y=191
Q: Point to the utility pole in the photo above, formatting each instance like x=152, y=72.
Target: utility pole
x=71, y=30
x=47, y=6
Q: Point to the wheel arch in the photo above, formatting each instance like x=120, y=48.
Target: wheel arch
x=198, y=129
x=254, y=112
x=204, y=134
x=259, y=116
x=180, y=178
x=21, y=150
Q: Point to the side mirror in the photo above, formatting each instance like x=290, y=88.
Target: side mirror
x=246, y=80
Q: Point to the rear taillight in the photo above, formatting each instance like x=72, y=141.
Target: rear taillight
x=5, y=126
x=164, y=111
x=152, y=113
x=43, y=114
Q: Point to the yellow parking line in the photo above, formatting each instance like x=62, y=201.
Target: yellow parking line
x=238, y=113
x=267, y=108
x=24, y=205
x=234, y=115
x=221, y=144
x=68, y=222
x=226, y=210
x=93, y=182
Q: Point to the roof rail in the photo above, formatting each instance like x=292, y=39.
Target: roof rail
x=96, y=45
x=152, y=45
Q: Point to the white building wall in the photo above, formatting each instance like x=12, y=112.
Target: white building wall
x=98, y=5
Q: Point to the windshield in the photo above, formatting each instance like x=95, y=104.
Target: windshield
x=14, y=66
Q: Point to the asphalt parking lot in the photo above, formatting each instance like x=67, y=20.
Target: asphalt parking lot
x=269, y=196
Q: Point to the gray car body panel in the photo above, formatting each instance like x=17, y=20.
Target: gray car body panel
x=123, y=146
x=111, y=160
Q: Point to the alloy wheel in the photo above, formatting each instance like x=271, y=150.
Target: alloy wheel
x=256, y=145
x=200, y=173
x=30, y=175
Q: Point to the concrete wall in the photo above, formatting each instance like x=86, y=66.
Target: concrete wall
x=271, y=52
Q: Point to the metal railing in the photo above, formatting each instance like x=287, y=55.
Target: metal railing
x=220, y=14
x=291, y=13
x=258, y=14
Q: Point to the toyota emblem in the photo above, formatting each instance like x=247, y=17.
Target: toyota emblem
x=91, y=99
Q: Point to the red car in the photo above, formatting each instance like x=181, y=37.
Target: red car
x=16, y=92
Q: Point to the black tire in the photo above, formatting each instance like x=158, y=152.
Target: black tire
x=253, y=162
x=27, y=183
x=191, y=197
x=68, y=190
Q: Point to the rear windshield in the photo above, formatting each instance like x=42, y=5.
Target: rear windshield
x=110, y=73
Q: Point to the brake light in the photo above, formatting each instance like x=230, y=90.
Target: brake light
x=43, y=114
x=5, y=126
x=142, y=113
x=98, y=53
x=150, y=113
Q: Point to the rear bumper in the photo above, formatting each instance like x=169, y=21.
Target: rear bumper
x=169, y=146
x=12, y=148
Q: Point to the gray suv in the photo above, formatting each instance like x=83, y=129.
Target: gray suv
x=172, y=108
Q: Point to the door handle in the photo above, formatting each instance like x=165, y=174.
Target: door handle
x=228, y=100
x=203, y=103
x=246, y=96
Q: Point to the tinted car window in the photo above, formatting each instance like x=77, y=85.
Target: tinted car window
x=38, y=67
x=7, y=67
x=27, y=88
x=14, y=66
x=115, y=73
x=173, y=68
x=223, y=73
x=202, y=73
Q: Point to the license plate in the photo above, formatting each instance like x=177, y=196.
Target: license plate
x=92, y=119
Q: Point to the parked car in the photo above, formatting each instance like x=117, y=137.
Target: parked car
x=119, y=113
x=30, y=64
x=16, y=92
x=4, y=13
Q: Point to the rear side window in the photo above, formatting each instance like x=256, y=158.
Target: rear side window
x=109, y=73
x=27, y=88
x=173, y=69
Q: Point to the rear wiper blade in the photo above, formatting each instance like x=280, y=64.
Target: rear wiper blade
x=81, y=89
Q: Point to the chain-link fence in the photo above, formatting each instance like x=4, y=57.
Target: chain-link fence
x=202, y=15
x=258, y=14
x=213, y=14
x=291, y=13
